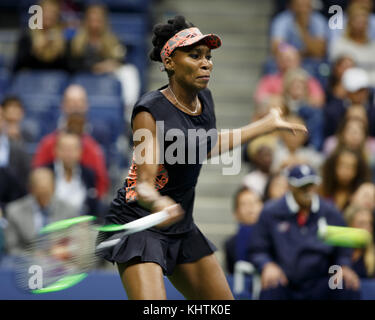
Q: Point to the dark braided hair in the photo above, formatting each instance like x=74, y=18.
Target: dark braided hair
x=163, y=32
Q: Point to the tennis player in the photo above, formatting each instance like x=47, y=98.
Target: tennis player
x=177, y=248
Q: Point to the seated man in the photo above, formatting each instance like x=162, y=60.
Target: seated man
x=74, y=182
x=301, y=27
x=14, y=116
x=26, y=216
x=75, y=109
x=285, y=248
x=287, y=58
x=14, y=163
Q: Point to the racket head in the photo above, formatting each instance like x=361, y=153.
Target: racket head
x=63, y=283
x=345, y=236
x=66, y=223
x=62, y=251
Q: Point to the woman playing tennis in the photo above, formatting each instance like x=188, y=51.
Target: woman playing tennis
x=176, y=248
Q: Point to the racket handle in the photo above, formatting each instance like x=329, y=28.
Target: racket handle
x=107, y=244
x=138, y=225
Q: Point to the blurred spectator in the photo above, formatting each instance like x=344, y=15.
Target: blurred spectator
x=2, y=237
x=336, y=33
x=363, y=258
x=291, y=149
x=287, y=58
x=14, y=159
x=343, y=172
x=276, y=187
x=356, y=84
x=355, y=41
x=74, y=108
x=297, y=99
x=44, y=48
x=352, y=133
x=70, y=12
x=96, y=49
x=335, y=88
x=285, y=249
x=74, y=183
x=260, y=153
x=364, y=196
x=247, y=206
x=301, y=27
x=14, y=114
x=26, y=216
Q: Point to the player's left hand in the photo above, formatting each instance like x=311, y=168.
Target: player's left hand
x=278, y=123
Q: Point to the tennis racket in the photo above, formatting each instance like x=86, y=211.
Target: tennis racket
x=343, y=236
x=66, y=250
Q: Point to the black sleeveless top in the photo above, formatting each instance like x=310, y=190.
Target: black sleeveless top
x=184, y=141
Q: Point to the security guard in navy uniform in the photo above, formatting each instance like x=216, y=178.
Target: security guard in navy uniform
x=294, y=263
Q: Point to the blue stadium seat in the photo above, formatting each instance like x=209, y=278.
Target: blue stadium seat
x=132, y=30
x=42, y=113
x=39, y=82
x=106, y=116
x=126, y=5
x=8, y=4
x=138, y=56
x=108, y=110
x=8, y=38
x=98, y=85
x=4, y=82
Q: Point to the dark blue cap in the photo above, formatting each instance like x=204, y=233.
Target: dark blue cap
x=301, y=175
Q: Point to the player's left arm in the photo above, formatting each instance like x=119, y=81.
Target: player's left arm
x=230, y=139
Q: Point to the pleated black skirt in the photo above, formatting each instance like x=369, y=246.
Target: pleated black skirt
x=165, y=250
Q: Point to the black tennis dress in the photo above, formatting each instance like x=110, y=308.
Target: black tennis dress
x=184, y=141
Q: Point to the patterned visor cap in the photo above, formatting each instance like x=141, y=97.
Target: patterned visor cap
x=188, y=37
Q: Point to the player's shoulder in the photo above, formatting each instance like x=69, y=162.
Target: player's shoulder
x=206, y=96
x=149, y=99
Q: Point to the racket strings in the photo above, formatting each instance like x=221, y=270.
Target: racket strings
x=57, y=254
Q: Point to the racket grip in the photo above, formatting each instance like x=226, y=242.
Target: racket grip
x=107, y=244
x=138, y=225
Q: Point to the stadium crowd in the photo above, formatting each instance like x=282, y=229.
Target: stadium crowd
x=64, y=129
x=66, y=94
x=321, y=77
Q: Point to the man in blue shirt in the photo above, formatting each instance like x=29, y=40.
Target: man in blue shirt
x=284, y=247
x=302, y=28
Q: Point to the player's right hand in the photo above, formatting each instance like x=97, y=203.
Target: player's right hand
x=174, y=210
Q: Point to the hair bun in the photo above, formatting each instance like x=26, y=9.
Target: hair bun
x=163, y=32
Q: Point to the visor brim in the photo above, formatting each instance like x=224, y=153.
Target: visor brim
x=211, y=40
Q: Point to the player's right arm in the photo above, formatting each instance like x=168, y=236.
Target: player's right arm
x=146, y=158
